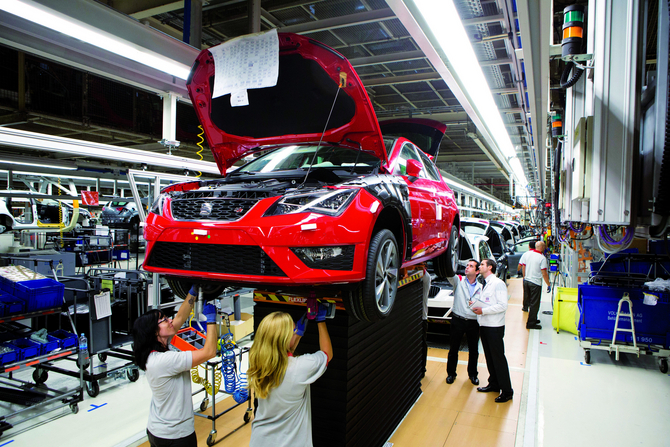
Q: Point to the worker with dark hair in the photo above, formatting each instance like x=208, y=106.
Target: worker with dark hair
x=171, y=418
x=281, y=382
x=464, y=322
x=490, y=310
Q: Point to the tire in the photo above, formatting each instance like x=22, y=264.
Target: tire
x=102, y=357
x=446, y=264
x=663, y=366
x=376, y=295
x=92, y=388
x=587, y=357
x=211, y=439
x=40, y=376
x=247, y=416
x=204, y=404
x=180, y=287
x=352, y=304
x=74, y=408
x=133, y=374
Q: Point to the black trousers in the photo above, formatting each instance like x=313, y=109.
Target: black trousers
x=494, y=351
x=188, y=441
x=424, y=346
x=469, y=328
x=534, y=293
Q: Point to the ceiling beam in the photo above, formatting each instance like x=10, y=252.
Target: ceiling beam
x=150, y=12
x=387, y=58
x=402, y=79
x=340, y=22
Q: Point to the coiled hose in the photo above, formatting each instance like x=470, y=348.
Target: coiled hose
x=198, y=379
x=567, y=83
x=232, y=382
x=199, y=143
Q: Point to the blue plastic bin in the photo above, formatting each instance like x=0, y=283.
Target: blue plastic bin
x=66, y=339
x=598, y=307
x=10, y=356
x=26, y=348
x=51, y=345
x=6, y=285
x=40, y=294
x=10, y=305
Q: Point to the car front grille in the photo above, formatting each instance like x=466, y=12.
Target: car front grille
x=211, y=209
x=214, y=258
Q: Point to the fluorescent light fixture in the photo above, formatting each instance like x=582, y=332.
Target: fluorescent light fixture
x=445, y=24
x=49, y=18
x=39, y=162
x=33, y=140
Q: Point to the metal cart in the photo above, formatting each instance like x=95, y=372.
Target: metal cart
x=614, y=319
x=212, y=366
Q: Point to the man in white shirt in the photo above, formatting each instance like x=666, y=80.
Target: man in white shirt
x=534, y=269
x=464, y=321
x=490, y=310
x=522, y=261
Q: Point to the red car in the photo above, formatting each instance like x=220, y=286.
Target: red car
x=327, y=205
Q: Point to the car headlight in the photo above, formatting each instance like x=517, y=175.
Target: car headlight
x=157, y=207
x=327, y=201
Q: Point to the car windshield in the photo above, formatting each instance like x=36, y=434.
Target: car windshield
x=474, y=228
x=297, y=157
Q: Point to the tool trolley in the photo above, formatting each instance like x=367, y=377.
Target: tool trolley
x=102, y=339
x=36, y=300
x=233, y=382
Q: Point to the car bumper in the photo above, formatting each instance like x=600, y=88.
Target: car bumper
x=258, y=250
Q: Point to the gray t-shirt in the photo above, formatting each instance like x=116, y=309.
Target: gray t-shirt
x=284, y=418
x=171, y=410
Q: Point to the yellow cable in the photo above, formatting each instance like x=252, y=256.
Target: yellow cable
x=199, y=143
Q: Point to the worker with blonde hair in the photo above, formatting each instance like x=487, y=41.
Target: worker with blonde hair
x=281, y=381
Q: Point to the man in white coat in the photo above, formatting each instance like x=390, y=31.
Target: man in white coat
x=490, y=310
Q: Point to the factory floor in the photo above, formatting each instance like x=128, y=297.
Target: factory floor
x=558, y=400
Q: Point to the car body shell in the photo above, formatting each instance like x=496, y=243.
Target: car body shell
x=35, y=213
x=516, y=251
x=495, y=242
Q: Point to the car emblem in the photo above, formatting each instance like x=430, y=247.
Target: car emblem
x=239, y=210
x=206, y=209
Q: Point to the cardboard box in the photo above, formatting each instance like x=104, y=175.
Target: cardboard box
x=242, y=328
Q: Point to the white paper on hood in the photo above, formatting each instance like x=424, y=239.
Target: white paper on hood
x=246, y=62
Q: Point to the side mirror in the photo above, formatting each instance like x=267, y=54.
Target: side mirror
x=413, y=168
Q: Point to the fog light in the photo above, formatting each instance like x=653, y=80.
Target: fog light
x=328, y=258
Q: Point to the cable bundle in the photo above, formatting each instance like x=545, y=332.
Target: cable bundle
x=608, y=244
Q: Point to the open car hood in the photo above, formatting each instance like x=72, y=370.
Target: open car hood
x=294, y=111
x=425, y=133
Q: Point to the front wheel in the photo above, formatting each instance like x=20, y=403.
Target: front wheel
x=373, y=300
x=446, y=264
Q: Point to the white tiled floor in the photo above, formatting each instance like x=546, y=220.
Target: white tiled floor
x=564, y=402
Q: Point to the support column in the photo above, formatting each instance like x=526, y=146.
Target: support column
x=170, y=117
x=254, y=16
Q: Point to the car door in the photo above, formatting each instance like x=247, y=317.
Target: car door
x=421, y=198
x=445, y=202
